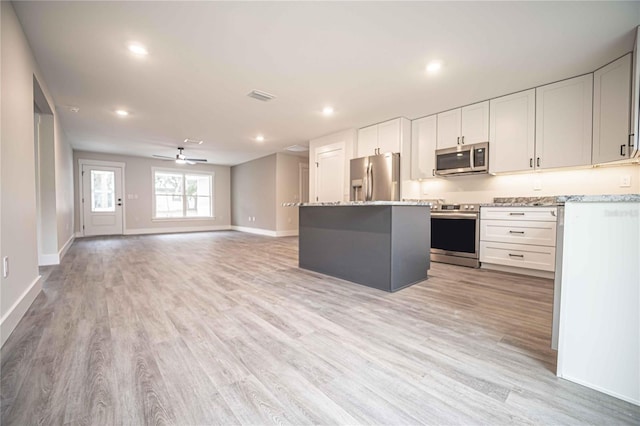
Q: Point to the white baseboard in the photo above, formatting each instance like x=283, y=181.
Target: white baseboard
x=13, y=316
x=258, y=231
x=515, y=270
x=79, y=234
x=48, y=259
x=174, y=230
x=267, y=232
x=627, y=398
x=65, y=248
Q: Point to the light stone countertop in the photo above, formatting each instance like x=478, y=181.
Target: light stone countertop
x=360, y=203
x=614, y=198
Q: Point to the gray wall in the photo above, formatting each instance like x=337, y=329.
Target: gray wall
x=18, y=216
x=253, y=193
x=138, y=181
x=288, y=190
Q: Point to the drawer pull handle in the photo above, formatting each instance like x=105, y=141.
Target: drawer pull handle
x=516, y=255
x=516, y=232
x=516, y=214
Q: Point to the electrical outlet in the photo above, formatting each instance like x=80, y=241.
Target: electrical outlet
x=537, y=184
x=5, y=266
x=625, y=181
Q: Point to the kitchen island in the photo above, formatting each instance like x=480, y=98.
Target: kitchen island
x=384, y=245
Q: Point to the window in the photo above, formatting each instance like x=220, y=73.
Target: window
x=182, y=195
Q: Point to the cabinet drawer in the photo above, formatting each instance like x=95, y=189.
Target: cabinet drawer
x=547, y=214
x=518, y=255
x=519, y=232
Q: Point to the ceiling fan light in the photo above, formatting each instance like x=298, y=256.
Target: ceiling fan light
x=180, y=161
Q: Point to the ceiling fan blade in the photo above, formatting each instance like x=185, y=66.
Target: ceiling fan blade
x=197, y=160
x=164, y=157
x=190, y=162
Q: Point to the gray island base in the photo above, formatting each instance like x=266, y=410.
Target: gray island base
x=380, y=246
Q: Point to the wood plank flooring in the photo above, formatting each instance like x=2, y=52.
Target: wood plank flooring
x=223, y=328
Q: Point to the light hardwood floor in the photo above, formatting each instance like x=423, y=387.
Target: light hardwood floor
x=223, y=328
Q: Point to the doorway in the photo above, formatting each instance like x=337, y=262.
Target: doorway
x=101, y=192
x=303, y=180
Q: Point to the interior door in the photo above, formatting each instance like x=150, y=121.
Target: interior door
x=330, y=175
x=102, y=202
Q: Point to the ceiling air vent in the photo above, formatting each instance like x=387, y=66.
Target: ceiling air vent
x=297, y=148
x=261, y=96
x=193, y=141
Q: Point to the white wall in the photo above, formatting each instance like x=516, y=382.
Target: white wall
x=64, y=189
x=483, y=188
x=138, y=182
x=18, y=239
x=287, y=191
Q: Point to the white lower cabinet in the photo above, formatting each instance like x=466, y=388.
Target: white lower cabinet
x=518, y=237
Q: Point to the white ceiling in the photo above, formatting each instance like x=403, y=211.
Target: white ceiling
x=366, y=59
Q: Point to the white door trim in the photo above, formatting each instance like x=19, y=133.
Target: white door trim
x=86, y=162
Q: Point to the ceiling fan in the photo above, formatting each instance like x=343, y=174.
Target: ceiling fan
x=180, y=158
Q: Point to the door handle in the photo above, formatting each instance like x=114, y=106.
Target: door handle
x=538, y=162
x=458, y=142
x=462, y=140
x=623, y=150
x=530, y=162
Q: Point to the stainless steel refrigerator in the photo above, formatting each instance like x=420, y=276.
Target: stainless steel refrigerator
x=375, y=178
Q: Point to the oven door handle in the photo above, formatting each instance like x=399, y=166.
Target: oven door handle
x=455, y=215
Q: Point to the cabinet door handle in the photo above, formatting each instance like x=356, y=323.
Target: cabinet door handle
x=623, y=150
x=516, y=232
x=462, y=140
x=516, y=255
x=538, y=162
x=516, y=213
x=433, y=172
x=458, y=142
x=530, y=162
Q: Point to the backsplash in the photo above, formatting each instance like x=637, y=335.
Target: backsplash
x=484, y=188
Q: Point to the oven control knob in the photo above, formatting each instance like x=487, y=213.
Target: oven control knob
x=466, y=207
x=470, y=207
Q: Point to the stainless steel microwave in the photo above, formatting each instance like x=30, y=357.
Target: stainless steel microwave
x=463, y=159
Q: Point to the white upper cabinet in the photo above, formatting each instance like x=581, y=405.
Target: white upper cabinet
x=475, y=123
x=512, y=132
x=611, y=101
x=383, y=137
x=564, y=123
x=423, y=147
x=464, y=125
x=449, y=128
x=367, y=141
x=389, y=134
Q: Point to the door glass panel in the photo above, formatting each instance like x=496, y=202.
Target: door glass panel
x=453, y=234
x=103, y=196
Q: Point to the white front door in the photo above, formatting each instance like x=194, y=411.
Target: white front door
x=329, y=175
x=102, y=201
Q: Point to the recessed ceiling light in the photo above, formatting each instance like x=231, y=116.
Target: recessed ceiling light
x=194, y=141
x=138, y=49
x=122, y=113
x=327, y=110
x=434, y=66
x=260, y=138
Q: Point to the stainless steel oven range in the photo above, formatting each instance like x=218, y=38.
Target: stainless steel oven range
x=455, y=234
